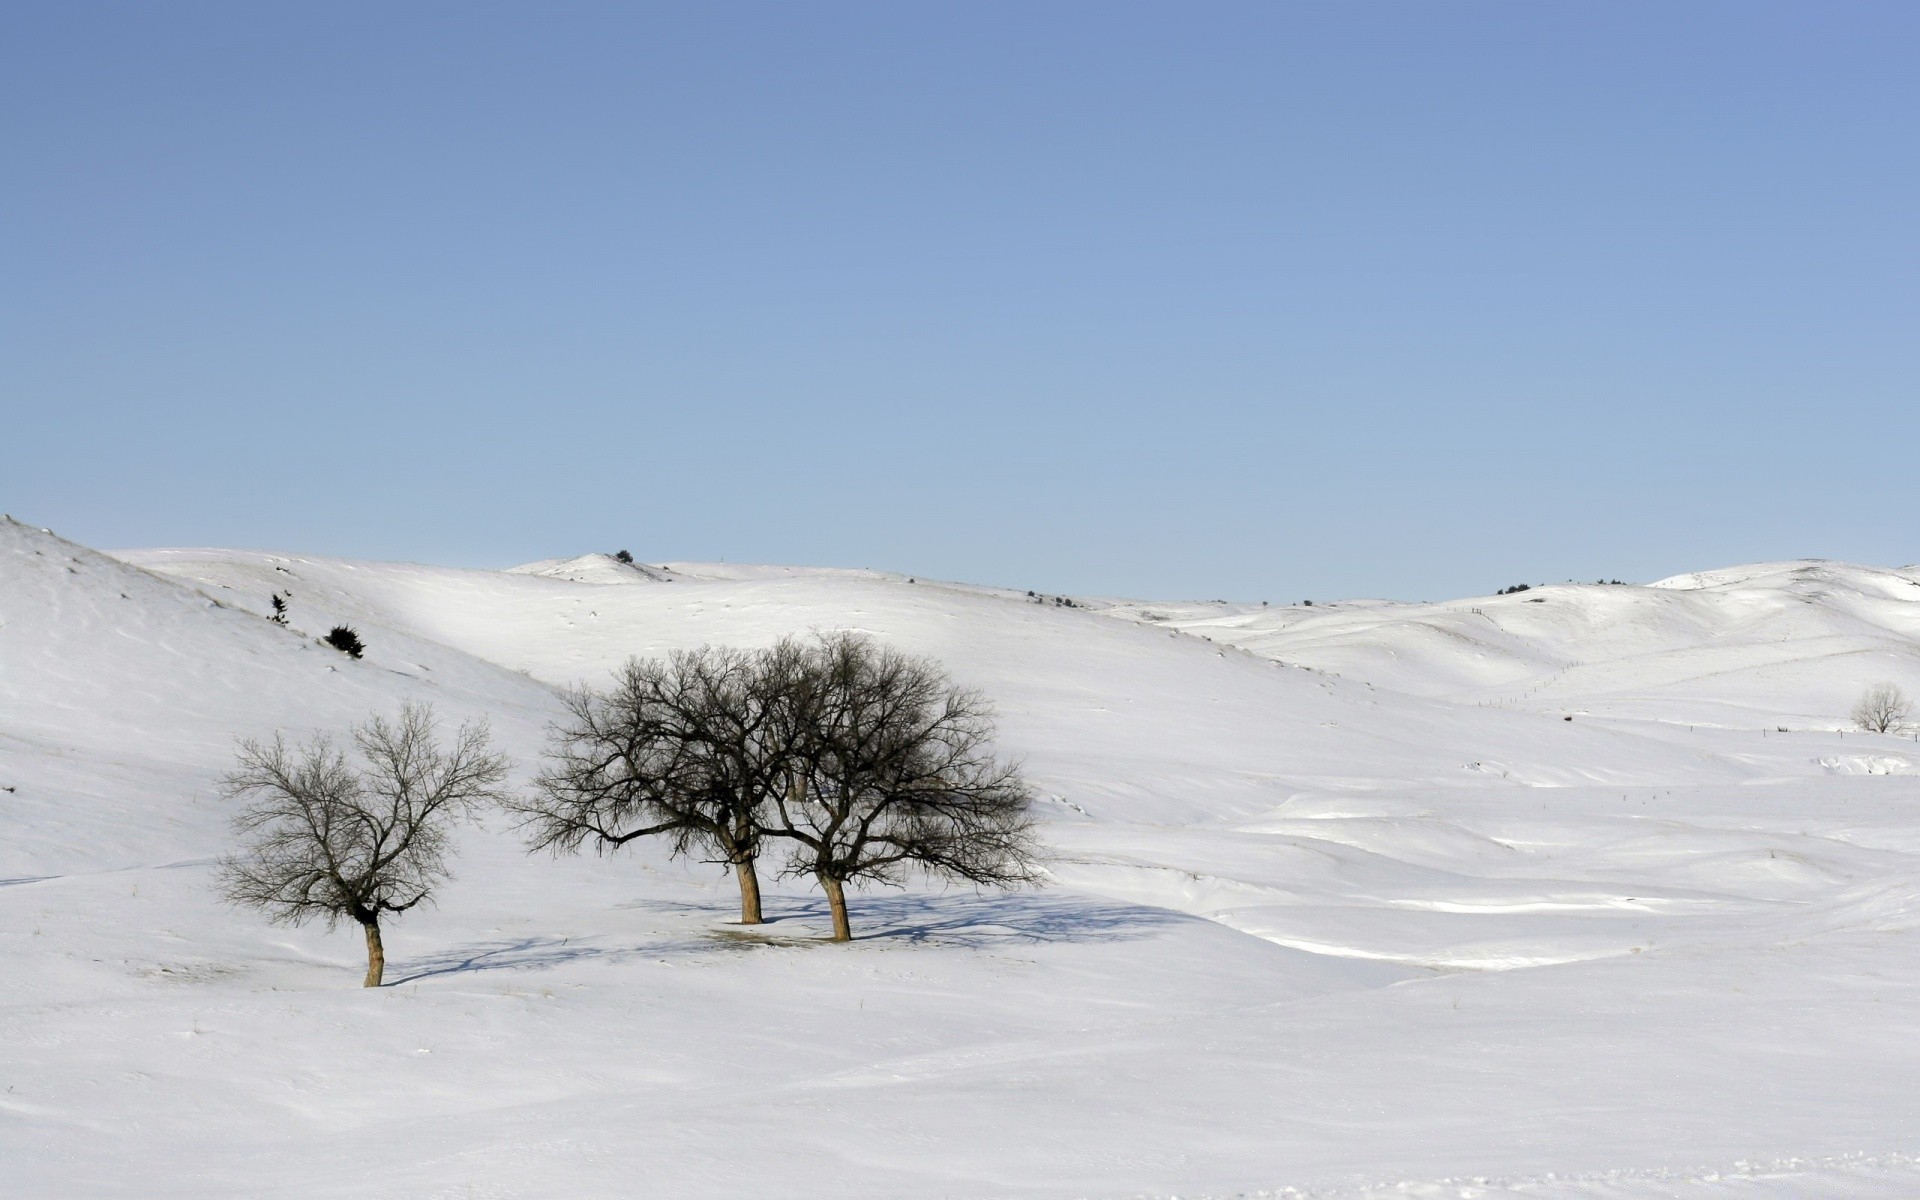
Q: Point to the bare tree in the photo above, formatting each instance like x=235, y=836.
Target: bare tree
x=691, y=748
x=326, y=839
x=897, y=774
x=1882, y=708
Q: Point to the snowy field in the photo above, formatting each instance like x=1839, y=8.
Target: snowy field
x=1344, y=905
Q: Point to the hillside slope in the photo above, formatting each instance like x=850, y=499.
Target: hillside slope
x=1747, y=647
x=1309, y=934
x=122, y=693
x=1125, y=722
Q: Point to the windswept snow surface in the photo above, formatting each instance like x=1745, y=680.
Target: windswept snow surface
x=1372, y=920
x=1762, y=646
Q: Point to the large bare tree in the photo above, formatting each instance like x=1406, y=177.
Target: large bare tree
x=897, y=774
x=691, y=748
x=326, y=839
x=1882, y=708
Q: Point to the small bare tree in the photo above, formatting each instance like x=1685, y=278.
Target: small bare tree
x=1882, y=708
x=897, y=775
x=330, y=840
x=691, y=748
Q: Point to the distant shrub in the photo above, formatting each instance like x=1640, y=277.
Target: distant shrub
x=345, y=640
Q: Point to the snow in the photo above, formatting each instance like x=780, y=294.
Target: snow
x=1759, y=646
x=1343, y=906
x=594, y=568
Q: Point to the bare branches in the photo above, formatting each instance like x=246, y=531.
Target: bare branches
x=690, y=748
x=866, y=763
x=897, y=774
x=1882, y=708
x=323, y=839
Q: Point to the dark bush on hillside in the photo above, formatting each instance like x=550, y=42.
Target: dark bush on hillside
x=345, y=640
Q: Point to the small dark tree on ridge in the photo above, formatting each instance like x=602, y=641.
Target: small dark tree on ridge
x=345, y=640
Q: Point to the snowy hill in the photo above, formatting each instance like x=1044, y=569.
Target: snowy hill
x=128, y=688
x=1128, y=723
x=594, y=568
x=1358, y=925
x=1748, y=647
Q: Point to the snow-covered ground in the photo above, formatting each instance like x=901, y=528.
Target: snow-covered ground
x=1748, y=647
x=1344, y=906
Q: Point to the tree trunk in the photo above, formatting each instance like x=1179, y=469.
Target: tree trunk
x=837, y=901
x=376, y=954
x=743, y=869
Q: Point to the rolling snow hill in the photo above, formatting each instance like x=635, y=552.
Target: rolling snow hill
x=1749, y=647
x=1343, y=905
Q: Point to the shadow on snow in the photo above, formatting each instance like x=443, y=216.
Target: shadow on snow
x=974, y=922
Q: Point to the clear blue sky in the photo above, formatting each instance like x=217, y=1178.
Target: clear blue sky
x=1274, y=300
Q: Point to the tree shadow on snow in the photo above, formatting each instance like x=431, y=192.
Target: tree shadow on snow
x=986, y=920
x=964, y=921
x=513, y=954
